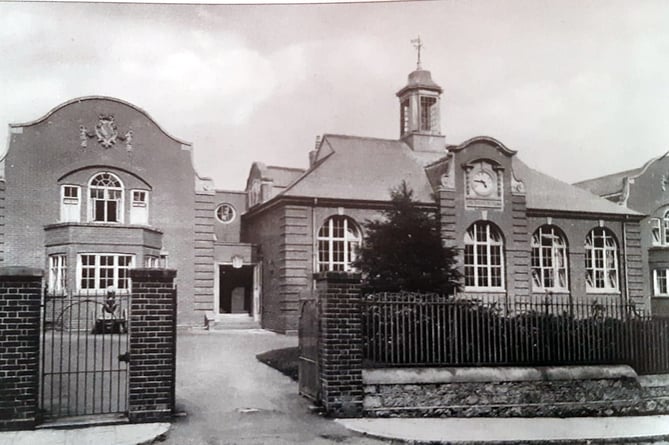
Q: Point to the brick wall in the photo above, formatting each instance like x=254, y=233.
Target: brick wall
x=152, y=370
x=20, y=298
x=340, y=359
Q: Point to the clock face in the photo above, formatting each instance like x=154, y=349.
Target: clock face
x=482, y=183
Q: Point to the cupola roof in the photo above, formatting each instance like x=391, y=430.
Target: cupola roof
x=420, y=79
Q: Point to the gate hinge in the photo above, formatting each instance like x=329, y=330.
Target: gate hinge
x=125, y=357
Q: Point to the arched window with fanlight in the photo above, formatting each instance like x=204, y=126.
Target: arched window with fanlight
x=549, y=259
x=338, y=241
x=484, y=257
x=601, y=261
x=105, y=198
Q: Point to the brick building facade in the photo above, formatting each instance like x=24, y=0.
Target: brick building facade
x=96, y=187
x=646, y=190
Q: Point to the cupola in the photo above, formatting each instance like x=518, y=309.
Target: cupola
x=420, y=118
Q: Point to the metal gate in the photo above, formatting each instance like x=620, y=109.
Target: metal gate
x=84, y=354
x=309, y=381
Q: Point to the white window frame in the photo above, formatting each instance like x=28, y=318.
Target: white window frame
x=116, y=281
x=107, y=191
x=549, y=262
x=656, y=232
x=155, y=262
x=58, y=274
x=219, y=215
x=661, y=278
x=594, y=255
x=70, y=207
x=139, y=208
x=328, y=239
x=489, y=245
x=427, y=113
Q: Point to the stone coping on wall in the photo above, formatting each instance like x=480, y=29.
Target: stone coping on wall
x=408, y=376
x=655, y=380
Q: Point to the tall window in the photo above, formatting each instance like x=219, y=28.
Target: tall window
x=101, y=271
x=106, y=198
x=338, y=240
x=601, y=260
x=404, y=117
x=661, y=281
x=57, y=274
x=139, y=208
x=549, y=259
x=484, y=257
x=659, y=230
x=70, y=203
x=428, y=114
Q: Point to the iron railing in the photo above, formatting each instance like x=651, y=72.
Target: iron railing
x=407, y=329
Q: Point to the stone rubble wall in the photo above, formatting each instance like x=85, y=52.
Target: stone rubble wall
x=610, y=395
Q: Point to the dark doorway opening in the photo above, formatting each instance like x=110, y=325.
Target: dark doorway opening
x=236, y=290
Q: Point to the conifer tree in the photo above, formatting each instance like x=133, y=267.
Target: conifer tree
x=404, y=252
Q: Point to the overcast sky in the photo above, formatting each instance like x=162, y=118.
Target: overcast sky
x=579, y=88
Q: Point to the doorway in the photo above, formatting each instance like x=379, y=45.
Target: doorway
x=235, y=290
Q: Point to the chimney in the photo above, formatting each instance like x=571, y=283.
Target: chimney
x=312, y=153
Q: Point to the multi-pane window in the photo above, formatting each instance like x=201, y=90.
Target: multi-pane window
x=57, y=274
x=659, y=230
x=661, y=280
x=70, y=203
x=338, y=240
x=549, y=259
x=102, y=271
x=484, y=257
x=139, y=207
x=428, y=114
x=106, y=198
x=601, y=260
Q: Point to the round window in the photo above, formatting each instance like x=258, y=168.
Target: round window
x=225, y=213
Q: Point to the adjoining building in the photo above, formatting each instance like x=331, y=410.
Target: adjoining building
x=646, y=190
x=96, y=187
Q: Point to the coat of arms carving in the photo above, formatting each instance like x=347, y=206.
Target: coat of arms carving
x=106, y=130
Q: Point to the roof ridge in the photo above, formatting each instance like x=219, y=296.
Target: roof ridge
x=368, y=138
x=619, y=173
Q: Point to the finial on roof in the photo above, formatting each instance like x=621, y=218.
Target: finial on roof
x=418, y=44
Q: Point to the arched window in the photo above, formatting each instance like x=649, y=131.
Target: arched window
x=549, y=259
x=338, y=240
x=105, y=198
x=601, y=260
x=484, y=257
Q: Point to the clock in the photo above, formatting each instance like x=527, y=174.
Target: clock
x=482, y=183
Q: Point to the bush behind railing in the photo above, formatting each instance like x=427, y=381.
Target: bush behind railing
x=411, y=329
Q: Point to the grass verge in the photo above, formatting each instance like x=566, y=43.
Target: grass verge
x=283, y=360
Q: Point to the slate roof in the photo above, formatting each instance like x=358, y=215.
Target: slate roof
x=544, y=192
x=609, y=184
x=283, y=176
x=362, y=168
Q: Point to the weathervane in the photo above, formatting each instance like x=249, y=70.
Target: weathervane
x=418, y=45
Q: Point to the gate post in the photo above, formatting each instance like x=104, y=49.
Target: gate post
x=340, y=343
x=152, y=345
x=20, y=300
